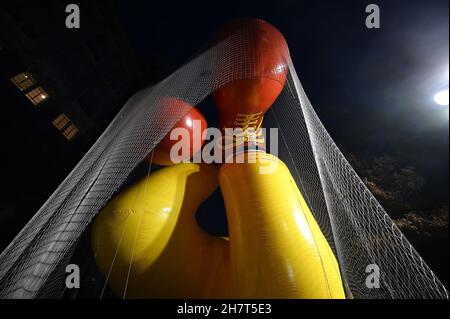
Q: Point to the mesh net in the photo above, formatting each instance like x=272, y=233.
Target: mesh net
x=356, y=226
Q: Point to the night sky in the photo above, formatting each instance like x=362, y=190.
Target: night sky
x=372, y=89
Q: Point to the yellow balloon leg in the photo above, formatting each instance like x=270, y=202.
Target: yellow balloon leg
x=277, y=249
x=148, y=245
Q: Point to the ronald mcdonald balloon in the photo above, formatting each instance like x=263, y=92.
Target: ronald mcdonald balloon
x=150, y=231
x=193, y=122
x=146, y=240
x=277, y=250
x=242, y=102
x=255, y=93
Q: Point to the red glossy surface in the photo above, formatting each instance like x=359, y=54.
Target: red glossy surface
x=161, y=155
x=264, y=52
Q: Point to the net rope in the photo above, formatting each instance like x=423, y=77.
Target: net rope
x=358, y=229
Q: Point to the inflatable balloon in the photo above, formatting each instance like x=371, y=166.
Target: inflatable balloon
x=161, y=153
x=147, y=238
x=147, y=243
x=244, y=100
x=277, y=249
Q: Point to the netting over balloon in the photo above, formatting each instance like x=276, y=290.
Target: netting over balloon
x=357, y=228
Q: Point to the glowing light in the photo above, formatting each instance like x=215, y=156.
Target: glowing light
x=441, y=97
x=43, y=96
x=189, y=122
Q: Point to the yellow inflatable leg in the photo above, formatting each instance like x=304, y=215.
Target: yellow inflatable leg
x=148, y=245
x=277, y=250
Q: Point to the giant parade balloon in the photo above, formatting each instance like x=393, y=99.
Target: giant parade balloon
x=255, y=69
x=189, y=143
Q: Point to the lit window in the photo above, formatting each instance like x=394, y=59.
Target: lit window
x=61, y=121
x=70, y=132
x=37, y=95
x=23, y=81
